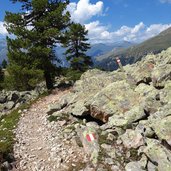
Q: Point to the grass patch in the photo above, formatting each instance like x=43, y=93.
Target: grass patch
x=7, y=124
x=71, y=74
x=60, y=117
x=52, y=118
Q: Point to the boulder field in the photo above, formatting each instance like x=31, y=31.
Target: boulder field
x=127, y=115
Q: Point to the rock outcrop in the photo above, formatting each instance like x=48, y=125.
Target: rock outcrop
x=13, y=99
x=134, y=111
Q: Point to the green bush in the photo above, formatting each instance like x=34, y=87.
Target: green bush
x=71, y=74
x=22, y=79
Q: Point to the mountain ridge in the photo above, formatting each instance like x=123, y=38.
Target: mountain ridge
x=95, y=50
x=132, y=54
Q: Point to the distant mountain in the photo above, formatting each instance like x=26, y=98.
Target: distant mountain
x=136, y=52
x=99, y=49
x=3, y=49
x=95, y=50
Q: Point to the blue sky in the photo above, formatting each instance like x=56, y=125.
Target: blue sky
x=113, y=20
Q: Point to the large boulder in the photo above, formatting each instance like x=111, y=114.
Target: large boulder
x=161, y=74
x=132, y=139
x=89, y=138
x=84, y=90
x=135, y=114
x=13, y=96
x=9, y=105
x=165, y=93
x=94, y=80
x=117, y=100
x=134, y=166
x=3, y=97
x=141, y=71
x=162, y=128
x=158, y=154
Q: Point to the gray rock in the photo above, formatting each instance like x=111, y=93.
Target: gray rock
x=6, y=166
x=151, y=166
x=165, y=94
x=125, y=119
x=115, y=168
x=13, y=96
x=9, y=105
x=163, y=129
x=89, y=139
x=161, y=74
x=132, y=139
x=119, y=103
x=134, y=166
x=3, y=98
x=144, y=127
x=93, y=124
x=158, y=154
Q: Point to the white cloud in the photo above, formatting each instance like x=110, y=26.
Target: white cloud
x=84, y=10
x=3, y=30
x=140, y=32
x=165, y=1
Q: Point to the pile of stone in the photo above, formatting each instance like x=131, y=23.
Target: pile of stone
x=134, y=108
x=13, y=99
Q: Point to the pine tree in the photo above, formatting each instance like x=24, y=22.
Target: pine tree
x=76, y=44
x=37, y=28
x=4, y=63
x=1, y=78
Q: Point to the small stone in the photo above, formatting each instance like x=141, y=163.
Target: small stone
x=74, y=165
x=62, y=123
x=40, y=148
x=20, y=111
x=115, y=168
x=6, y=165
x=118, y=142
x=109, y=161
x=111, y=137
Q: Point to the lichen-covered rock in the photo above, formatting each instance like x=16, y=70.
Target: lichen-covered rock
x=134, y=166
x=13, y=96
x=3, y=97
x=125, y=119
x=132, y=139
x=158, y=154
x=9, y=105
x=151, y=166
x=146, y=90
x=163, y=129
x=134, y=105
x=160, y=114
x=165, y=94
x=161, y=74
x=94, y=80
x=144, y=127
x=141, y=71
x=117, y=100
x=89, y=139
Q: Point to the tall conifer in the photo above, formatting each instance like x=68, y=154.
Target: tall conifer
x=36, y=29
x=77, y=45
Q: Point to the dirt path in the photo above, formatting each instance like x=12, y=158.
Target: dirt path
x=41, y=145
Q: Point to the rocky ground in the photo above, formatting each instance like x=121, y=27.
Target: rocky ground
x=108, y=121
x=134, y=107
x=10, y=100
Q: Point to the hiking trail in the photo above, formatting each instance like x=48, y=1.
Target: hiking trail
x=41, y=145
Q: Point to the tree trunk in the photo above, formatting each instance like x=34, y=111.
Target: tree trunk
x=49, y=81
